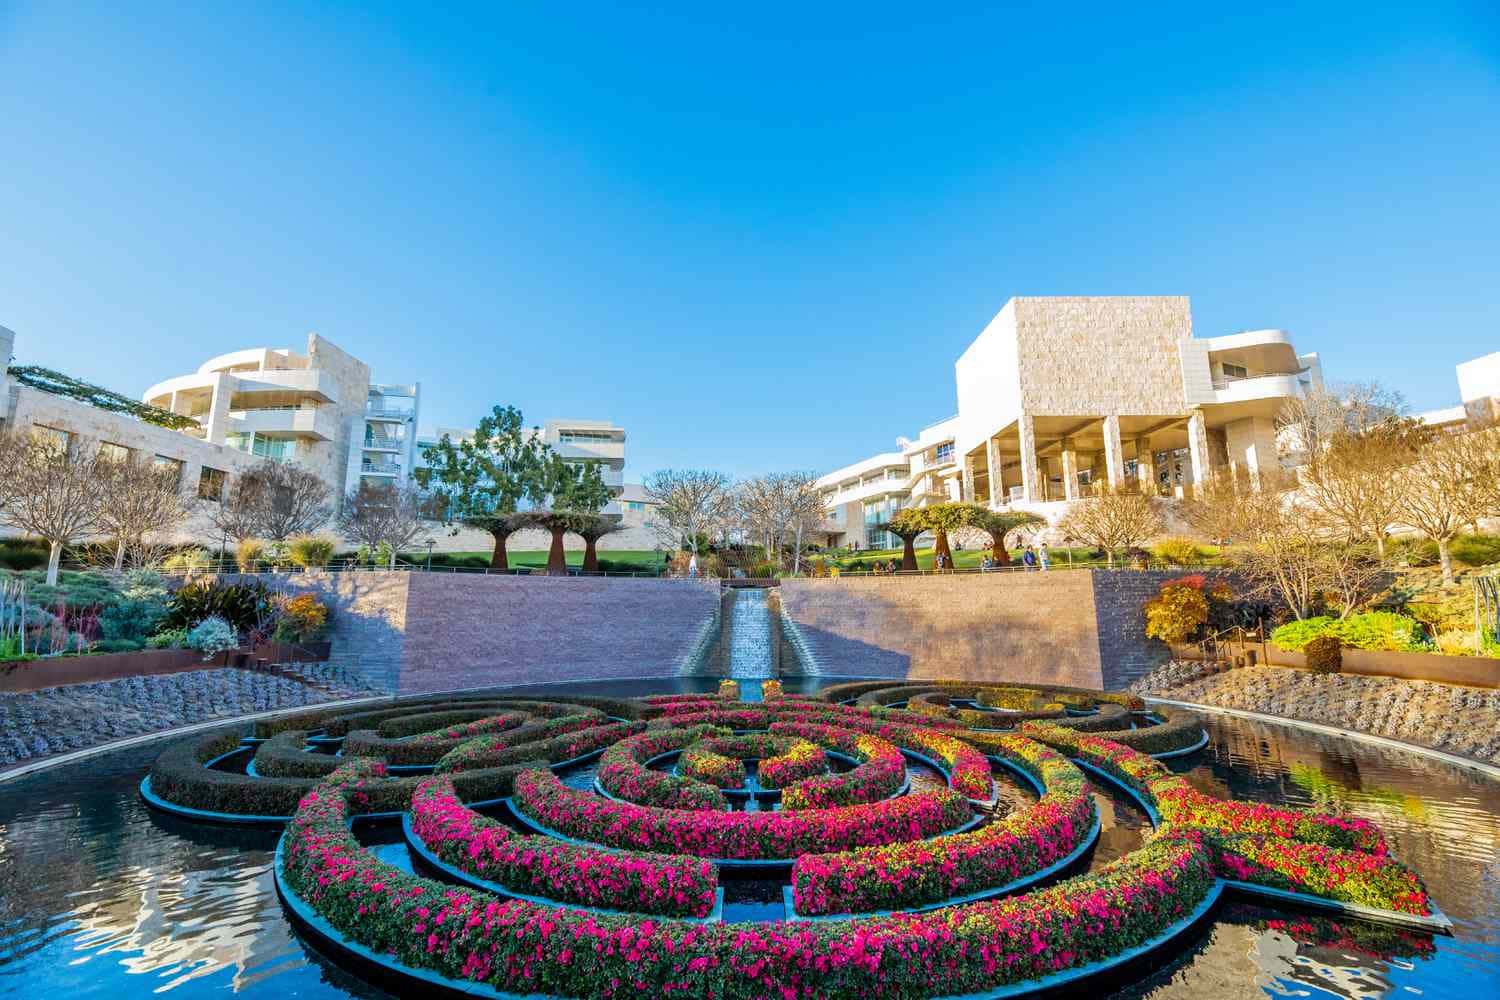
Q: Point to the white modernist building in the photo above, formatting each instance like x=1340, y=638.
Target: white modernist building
x=1479, y=390
x=1058, y=396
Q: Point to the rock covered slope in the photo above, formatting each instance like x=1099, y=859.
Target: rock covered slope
x=1458, y=720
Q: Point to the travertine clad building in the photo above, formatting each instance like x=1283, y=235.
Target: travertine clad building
x=1059, y=395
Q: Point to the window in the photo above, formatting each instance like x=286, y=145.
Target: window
x=1234, y=371
x=279, y=449
x=584, y=437
x=634, y=505
x=113, y=452
x=944, y=452
x=894, y=473
x=52, y=437
x=169, y=467
x=211, y=484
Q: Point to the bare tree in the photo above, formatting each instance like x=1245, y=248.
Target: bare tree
x=1113, y=520
x=1287, y=549
x=689, y=502
x=294, y=500
x=236, y=512
x=1356, y=482
x=58, y=494
x=373, y=516
x=142, y=504
x=1311, y=422
x=1444, y=488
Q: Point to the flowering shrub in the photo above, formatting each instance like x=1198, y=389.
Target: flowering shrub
x=729, y=718
x=729, y=689
x=794, y=763
x=622, y=771
x=771, y=689
x=489, y=724
x=1177, y=613
x=522, y=947
x=301, y=617
x=898, y=876
x=968, y=768
x=586, y=733
x=1348, y=876
x=543, y=866
x=739, y=835
x=712, y=768
x=879, y=773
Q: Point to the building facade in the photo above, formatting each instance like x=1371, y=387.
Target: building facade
x=1479, y=395
x=1059, y=397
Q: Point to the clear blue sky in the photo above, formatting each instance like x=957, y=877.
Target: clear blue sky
x=757, y=238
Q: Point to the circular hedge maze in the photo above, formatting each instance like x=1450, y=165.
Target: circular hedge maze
x=526, y=883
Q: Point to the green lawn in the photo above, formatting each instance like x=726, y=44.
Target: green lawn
x=971, y=558
x=618, y=561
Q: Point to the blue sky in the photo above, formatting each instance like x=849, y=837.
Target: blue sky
x=758, y=238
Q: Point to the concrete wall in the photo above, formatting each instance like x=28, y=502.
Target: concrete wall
x=1078, y=627
x=416, y=632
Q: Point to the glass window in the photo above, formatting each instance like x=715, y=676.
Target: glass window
x=52, y=437
x=634, y=505
x=113, y=452
x=945, y=452
x=584, y=437
x=211, y=484
x=280, y=449
x=1234, y=371
x=169, y=467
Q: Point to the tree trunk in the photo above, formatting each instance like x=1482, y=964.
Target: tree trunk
x=119, y=555
x=497, y=558
x=1380, y=545
x=909, y=554
x=997, y=551
x=797, y=555
x=557, y=559
x=1445, y=560
x=940, y=548
x=590, y=555
x=393, y=558
x=54, y=559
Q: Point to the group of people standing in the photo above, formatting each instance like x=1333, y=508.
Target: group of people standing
x=1032, y=557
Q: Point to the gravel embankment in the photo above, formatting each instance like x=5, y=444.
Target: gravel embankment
x=1458, y=720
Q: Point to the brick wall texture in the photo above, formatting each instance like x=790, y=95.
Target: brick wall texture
x=1078, y=627
x=418, y=632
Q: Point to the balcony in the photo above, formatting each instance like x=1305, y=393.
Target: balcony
x=378, y=442
x=1250, y=388
x=392, y=414
x=313, y=423
x=379, y=469
x=314, y=384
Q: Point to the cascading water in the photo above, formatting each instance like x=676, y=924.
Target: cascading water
x=750, y=635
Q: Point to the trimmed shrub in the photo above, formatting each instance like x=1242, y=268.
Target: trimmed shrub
x=1293, y=636
x=1177, y=551
x=310, y=551
x=211, y=636
x=1324, y=654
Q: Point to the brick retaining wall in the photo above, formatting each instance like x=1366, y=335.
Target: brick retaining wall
x=1078, y=627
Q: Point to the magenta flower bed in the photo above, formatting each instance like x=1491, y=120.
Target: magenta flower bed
x=747, y=836
x=624, y=774
x=879, y=773
x=663, y=884
x=493, y=751
x=1376, y=880
x=493, y=724
x=898, y=876
x=527, y=948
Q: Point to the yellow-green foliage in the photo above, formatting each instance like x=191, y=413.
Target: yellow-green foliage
x=310, y=551
x=1177, y=551
x=1176, y=613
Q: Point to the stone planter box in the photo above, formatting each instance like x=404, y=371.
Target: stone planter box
x=34, y=675
x=1471, y=671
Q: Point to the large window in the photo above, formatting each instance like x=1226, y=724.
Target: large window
x=55, y=438
x=279, y=449
x=877, y=512
x=113, y=452
x=211, y=484
x=944, y=452
x=584, y=437
x=168, y=467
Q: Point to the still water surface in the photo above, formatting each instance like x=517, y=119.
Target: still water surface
x=102, y=899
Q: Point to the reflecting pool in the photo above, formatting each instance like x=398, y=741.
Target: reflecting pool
x=100, y=897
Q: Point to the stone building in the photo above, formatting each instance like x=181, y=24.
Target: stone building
x=1059, y=396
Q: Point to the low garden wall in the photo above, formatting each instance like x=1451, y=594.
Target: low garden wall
x=1472, y=671
x=36, y=675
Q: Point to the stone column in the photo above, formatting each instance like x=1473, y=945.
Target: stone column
x=1198, y=449
x=1145, y=462
x=997, y=478
x=1069, y=470
x=218, y=410
x=1032, y=486
x=1114, y=453
x=966, y=480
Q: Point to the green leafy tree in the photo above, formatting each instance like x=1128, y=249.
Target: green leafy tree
x=999, y=525
x=941, y=519
x=481, y=481
x=575, y=493
x=906, y=525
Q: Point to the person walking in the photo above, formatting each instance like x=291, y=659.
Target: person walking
x=1042, y=556
x=693, y=567
x=1029, y=558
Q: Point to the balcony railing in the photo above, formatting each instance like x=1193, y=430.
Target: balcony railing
x=1225, y=381
x=381, y=468
x=387, y=413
